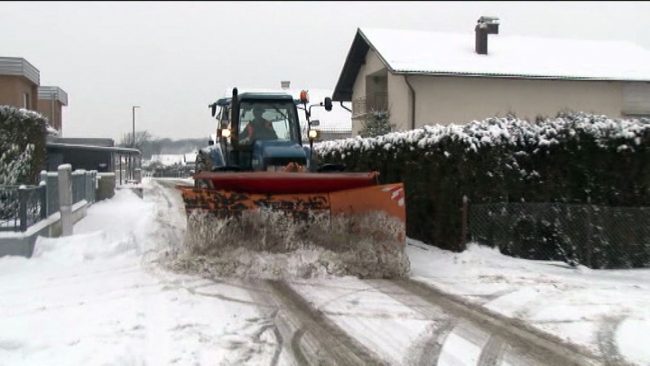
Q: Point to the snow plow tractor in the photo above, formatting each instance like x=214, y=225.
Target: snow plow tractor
x=259, y=194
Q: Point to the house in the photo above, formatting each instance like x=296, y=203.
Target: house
x=428, y=77
x=19, y=81
x=20, y=87
x=51, y=100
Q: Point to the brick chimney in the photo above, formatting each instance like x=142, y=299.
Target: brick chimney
x=485, y=26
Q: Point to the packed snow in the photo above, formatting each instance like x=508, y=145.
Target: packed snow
x=509, y=55
x=95, y=297
x=100, y=297
x=607, y=311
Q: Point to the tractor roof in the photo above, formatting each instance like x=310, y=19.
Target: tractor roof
x=257, y=95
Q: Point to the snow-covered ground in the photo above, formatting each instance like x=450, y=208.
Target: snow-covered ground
x=607, y=311
x=98, y=297
x=95, y=298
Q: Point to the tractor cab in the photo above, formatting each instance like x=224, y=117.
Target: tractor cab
x=261, y=132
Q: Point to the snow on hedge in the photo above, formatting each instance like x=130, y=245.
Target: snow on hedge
x=506, y=131
x=575, y=158
x=22, y=145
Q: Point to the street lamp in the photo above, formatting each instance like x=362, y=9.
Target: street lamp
x=133, y=136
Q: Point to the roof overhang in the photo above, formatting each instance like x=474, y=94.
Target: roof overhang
x=20, y=67
x=508, y=76
x=120, y=150
x=53, y=93
x=356, y=57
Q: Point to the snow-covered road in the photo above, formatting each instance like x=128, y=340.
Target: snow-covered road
x=98, y=297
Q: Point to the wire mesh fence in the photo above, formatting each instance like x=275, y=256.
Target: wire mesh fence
x=21, y=207
x=594, y=236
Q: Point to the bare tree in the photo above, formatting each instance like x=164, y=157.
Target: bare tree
x=142, y=138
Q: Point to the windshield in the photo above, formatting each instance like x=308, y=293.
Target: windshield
x=267, y=121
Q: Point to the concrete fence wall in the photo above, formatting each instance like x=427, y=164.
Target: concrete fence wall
x=80, y=189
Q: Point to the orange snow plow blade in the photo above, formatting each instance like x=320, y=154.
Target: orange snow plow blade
x=341, y=224
x=388, y=199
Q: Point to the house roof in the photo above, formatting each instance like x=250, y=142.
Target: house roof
x=53, y=92
x=452, y=54
x=21, y=67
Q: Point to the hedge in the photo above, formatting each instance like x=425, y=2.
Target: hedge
x=572, y=158
x=22, y=145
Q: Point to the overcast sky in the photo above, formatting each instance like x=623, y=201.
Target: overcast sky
x=173, y=59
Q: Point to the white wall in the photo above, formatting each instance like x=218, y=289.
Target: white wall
x=462, y=99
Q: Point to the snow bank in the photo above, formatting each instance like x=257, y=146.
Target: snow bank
x=630, y=336
x=95, y=298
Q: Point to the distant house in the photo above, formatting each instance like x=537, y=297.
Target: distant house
x=51, y=100
x=20, y=87
x=173, y=159
x=427, y=77
x=19, y=82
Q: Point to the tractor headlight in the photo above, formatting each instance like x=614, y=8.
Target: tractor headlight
x=225, y=133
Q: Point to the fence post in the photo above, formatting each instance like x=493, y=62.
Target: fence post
x=22, y=210
x=65, y=198
x=43, y=197
x=588, y=239
x=464, y=224
x=43, y=193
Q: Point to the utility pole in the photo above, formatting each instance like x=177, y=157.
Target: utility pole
x=133, y=136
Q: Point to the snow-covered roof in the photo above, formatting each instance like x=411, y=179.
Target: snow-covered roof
x=173, y=159
x=437, y=53
x=431, y=52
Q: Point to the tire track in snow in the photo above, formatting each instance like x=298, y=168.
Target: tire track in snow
x=607, y=340
x=428, y=348
x=334, y=345
x=295, y=347
x=432, y=347
x=492, y=353
x=521, y=338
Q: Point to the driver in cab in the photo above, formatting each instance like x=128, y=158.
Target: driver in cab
x=258, y=128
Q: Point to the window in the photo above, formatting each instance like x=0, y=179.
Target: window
x=26, y=101
x=268, y=121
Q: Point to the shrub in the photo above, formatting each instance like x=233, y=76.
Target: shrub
x=572, y=158
x=22, y=145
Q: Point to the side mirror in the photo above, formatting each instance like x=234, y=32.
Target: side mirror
x=210, y=142
x=328, y=104
x=315, y=122
x=214, y=108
